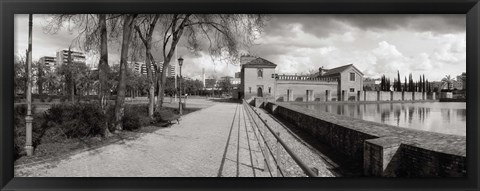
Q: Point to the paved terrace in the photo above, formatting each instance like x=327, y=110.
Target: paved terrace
x=216, y=141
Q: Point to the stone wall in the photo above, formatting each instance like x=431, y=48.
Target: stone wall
x=418, y=96
x=385, y=96
x=431, y=96
x=345, y=140
x=370, y=95
x=407, y=96
x=418, y=162
x=383, y=150
x=397, y=96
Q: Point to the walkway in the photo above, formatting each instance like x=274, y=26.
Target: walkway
x=216, y=141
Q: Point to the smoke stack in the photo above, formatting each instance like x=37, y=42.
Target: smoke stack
x=203, y=72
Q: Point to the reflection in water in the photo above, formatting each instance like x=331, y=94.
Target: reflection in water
x=449, y=118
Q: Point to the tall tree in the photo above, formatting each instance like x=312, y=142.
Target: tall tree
x=103, y=68
x=420, y=84
x=92, y=35
x=424, y=85
x=227, y=35
x=120, y=102
x=411, y=84
x=145, y=31
x=399, y=82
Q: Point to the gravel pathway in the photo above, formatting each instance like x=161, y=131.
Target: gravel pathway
x=193, y=148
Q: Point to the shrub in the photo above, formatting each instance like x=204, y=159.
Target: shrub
x=142, y=112
x=162, y=115
x=38, y=129
x=130, y=120
x=76, y=120
x=135, y=116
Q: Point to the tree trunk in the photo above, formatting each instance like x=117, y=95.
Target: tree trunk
x=151, y=82
x=162, y=78
x=103, y=70
x=120, y=102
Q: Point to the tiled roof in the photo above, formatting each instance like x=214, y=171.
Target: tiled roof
x=337, y=70
x=259, y=62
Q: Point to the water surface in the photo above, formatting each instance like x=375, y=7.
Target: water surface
x=441, y=117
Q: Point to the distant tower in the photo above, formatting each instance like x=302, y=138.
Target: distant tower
x=203, y=72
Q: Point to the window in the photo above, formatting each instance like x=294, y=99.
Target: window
x=269, y=89
x=250, y=90
x=352, y=76
x=352, y=89
x=260, y=73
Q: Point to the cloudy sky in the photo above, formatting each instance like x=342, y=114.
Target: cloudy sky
x=434, y=45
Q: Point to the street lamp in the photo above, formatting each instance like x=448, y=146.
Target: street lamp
x=28, y=117
x=180, y=62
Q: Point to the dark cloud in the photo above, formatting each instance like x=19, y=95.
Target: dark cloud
x=417, y=23
x=323, y=26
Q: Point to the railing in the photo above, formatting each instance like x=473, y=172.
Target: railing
x=305, y=78
x=266, y=149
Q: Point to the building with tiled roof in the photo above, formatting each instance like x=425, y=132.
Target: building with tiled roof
x=258, y=79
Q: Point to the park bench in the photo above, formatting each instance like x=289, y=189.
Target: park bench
x=167, y=116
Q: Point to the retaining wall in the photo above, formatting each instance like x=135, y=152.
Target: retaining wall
x=397, y=96
x=383, y=150
x=407, y=96
x=370, y=95
x=384, y=96
x=418, y=96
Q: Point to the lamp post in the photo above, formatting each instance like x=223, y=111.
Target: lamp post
x=28, y=117
x=180, y=62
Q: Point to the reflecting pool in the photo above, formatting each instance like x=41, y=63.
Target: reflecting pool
x=441, y=117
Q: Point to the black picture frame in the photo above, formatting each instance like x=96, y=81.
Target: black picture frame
x=469, y=7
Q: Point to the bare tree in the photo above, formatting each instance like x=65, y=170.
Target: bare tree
x=227, y=35
x=120, y=102
x=145, y=29
x=103, y=68
x=92, y=33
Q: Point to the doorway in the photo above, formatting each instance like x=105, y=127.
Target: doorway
x=259, y=92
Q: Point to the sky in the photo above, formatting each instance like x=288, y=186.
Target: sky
x=434, y=45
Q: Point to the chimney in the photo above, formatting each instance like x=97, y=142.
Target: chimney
x=321, y=71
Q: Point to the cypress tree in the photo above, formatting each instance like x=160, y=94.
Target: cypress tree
x=424, y=84
x=399, y=83
x=420, y=84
